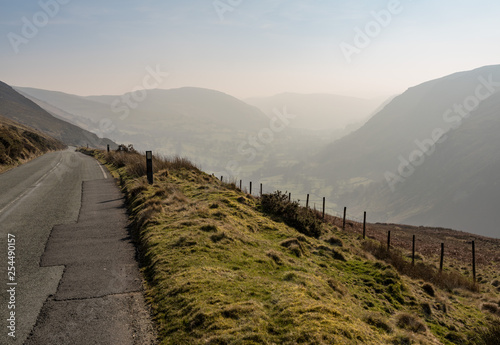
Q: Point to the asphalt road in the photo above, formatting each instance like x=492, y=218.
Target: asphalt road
x=73, y=262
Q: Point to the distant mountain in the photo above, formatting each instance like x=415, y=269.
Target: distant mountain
x=319, y=111
x=210, y=127
x=18, y=108
x=192, y=103
x=82, y=112
x=19, y=143
x=392, y=168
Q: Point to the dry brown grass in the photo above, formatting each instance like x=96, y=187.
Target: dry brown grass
x=135, y=162
x=447, y=279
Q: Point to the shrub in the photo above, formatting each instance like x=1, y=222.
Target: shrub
x=302, y=219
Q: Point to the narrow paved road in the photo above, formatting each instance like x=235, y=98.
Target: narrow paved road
x=46, y=291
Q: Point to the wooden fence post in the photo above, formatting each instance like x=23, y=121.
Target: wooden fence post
x=307, y=201
x=474, y=260
x=364, y=225
x=442, y=258
x=149, y=166
x=413, y=252
x=240, y=184
x=261, y=190
x=343, y=222
x=324, y=202
x=250, y=187
x=222, y=179
x=289, y=197
x=388, y=240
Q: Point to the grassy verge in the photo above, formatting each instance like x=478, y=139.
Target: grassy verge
x=222, y=267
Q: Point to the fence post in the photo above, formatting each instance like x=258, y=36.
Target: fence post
x=222, y=179
x=250, y=187
x=324, y=202
x=108, y=147
x=343, y=222
x=474, y=260
x=289, y=197
x=149, y=166
x=261, y=190
x=307, y=201
x=388, y=240
x=364, y=225
x=240, y=184
x=442, y=258
x=413, y=252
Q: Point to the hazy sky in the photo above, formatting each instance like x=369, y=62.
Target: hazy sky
x=244, y=47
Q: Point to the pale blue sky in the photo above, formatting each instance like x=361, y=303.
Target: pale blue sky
x=259, y=48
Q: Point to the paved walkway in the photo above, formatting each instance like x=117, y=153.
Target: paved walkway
x=99, y=299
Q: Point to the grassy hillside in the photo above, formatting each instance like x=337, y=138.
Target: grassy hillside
x=19, y=143
x=220, y=270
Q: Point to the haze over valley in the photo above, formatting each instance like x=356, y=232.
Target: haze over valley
x=425, y=157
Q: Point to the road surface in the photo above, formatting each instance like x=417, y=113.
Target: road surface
x=62, y=232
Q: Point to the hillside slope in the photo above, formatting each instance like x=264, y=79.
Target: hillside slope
x=394, y=169
x=457, y=185
x=18, y=108
x=413, y=116
x=221, y=271
x=19, y=143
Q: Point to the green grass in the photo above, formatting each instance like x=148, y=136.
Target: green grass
x=219, y=270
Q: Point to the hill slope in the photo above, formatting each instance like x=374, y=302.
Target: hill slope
x=373, y=149
x=453, y=183
x=18, y=108
x=19, y=143
x=219, y=271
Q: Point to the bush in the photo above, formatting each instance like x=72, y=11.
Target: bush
x=302, y=219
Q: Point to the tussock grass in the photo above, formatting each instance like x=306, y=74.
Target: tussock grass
x=488, y=335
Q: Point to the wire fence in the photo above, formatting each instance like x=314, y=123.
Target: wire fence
x=342, y=218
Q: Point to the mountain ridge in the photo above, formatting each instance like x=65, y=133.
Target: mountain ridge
x=16, y=107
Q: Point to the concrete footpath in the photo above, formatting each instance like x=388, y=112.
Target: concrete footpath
x=99, y=299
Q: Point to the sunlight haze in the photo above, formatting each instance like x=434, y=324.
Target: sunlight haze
x=244, y=48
